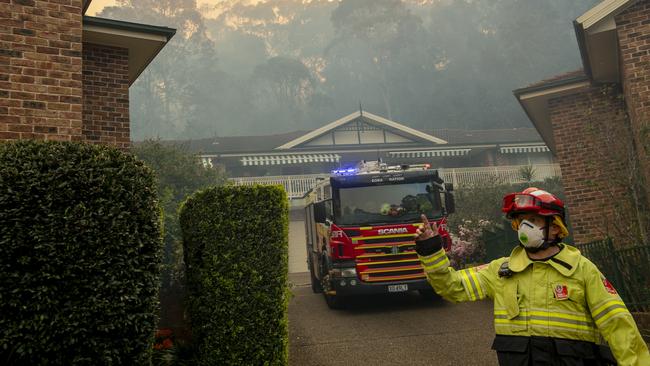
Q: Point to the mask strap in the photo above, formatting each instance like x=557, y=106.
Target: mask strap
x=548, y=225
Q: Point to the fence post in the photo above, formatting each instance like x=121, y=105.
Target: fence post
x=454, y=179
x=289, y=187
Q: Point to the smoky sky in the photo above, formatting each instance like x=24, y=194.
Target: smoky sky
x=244, y=68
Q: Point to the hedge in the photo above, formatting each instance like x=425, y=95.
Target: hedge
x=235, y=249
x=80, y=252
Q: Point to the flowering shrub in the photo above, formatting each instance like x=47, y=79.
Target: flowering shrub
x=163, y=348
x=467, y=246
x=163, y=339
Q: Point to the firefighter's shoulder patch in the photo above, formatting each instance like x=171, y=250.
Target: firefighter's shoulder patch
x=608, y=286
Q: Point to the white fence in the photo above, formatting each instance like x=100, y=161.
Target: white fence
x=298, y=185
x=464, y=177
x=295, y=185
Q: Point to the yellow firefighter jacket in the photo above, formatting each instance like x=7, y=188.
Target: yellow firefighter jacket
x=563, y=297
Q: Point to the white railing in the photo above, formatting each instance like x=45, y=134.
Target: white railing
x=467, y=177
x=298, y=185
x=295, y=185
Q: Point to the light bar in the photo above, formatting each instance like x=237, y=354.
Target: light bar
x=350, y=171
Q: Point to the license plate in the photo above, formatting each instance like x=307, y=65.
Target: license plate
x=398, y=288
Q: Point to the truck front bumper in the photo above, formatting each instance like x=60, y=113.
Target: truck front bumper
x=344, y=286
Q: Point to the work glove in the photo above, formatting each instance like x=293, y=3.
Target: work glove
x=427, y=238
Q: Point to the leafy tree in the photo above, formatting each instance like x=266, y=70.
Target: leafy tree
x=378, y=45
x=163, y=95
x=429, y=64
x=179, y=175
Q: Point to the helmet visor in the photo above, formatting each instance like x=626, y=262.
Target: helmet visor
x=518, y=202
x=524, y=200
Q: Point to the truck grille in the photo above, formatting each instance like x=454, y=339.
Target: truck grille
x=387, y=259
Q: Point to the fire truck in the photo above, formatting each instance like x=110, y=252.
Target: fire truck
x=360, y=226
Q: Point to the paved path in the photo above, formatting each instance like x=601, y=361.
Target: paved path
x=391, y=330
x=297, y=249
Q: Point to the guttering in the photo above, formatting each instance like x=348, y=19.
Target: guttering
x=85, y=6
x=129, y=26
x=551, y=87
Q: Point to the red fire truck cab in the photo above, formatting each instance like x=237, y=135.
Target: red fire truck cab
x=360, y=227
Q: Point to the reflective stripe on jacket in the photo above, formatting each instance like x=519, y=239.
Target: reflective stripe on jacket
x=563, y=297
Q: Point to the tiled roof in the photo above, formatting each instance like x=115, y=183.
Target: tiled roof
x=240, y=144
x=557, y=80
x=493, y=136
x=553, y=79
x=234, y=144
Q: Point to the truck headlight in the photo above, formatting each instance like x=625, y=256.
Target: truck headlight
x=343, y=272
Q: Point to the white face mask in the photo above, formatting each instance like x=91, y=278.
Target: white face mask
x=530, y=235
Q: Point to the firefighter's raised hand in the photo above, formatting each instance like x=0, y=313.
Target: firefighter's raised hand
x=426, y=230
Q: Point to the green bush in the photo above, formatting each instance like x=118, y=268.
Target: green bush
x=483, y=202
x=179, y=174
x=235, y=248
x=80, y=252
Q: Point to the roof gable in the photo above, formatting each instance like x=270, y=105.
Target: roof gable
x=598, y=40
x=361, y=128
x=602, y=11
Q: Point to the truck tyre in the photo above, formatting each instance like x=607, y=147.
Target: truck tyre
x=315, y=283
x=333, y=301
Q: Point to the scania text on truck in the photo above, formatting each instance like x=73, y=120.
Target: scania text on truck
x=360, y=225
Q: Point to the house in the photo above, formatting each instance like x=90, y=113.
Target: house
x=297, y=160
x=366, y=136
x=66, y=76
x=595, y=121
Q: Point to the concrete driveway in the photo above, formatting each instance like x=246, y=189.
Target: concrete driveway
x=401, y=329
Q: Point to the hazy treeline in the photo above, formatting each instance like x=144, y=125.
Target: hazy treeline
x=243, y=67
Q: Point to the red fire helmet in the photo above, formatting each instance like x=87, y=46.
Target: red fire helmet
x=532, y=200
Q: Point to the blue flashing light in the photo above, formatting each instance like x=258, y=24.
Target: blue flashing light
x=350, y=171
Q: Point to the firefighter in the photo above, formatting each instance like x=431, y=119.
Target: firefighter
x=551, y=304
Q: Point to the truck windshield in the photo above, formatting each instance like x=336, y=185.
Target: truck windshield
x=387, y=204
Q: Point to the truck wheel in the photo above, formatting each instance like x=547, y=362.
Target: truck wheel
x=315, y=283
x=335, y=302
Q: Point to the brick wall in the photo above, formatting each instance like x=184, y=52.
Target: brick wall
x=633, y=29
x=40, y=69
x=590, y=129
x=106, y=95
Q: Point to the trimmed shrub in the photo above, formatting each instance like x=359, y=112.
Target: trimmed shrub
x=80, y=253
x=235, y=248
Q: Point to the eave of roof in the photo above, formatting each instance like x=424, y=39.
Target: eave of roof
x=534, y=100
x=554, y=82
x=601, y=11
x=598, y=40
x=377, y=149
x=143, y=41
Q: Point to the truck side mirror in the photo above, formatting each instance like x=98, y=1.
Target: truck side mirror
x=323, y=212
x=319, y=212
x=329, y=211
x=450, y=203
